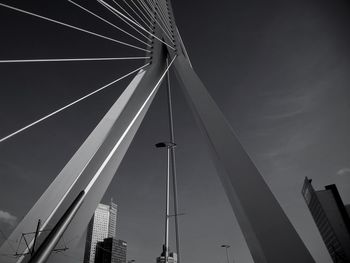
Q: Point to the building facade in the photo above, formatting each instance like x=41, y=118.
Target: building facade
x=103, y=224
x=111, y=250
x=332, y=219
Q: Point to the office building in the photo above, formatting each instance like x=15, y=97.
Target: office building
x=331, y=218
x=103, y=224
x=111, y=250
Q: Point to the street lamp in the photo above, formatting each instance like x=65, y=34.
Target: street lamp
x=169, y=146
x=226, y=247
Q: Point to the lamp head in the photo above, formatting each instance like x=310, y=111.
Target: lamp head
x=165, y=144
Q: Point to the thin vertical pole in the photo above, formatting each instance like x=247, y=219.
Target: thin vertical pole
x=167, y=206
x=173, y=166
x=228, y=261
x=36, y=235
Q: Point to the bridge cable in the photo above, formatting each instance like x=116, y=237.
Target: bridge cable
x=126, y=13
x=110, y=155
x=70, y=104
x=155, y=18
x=125, y=20
x=137, y=14
x=71, y=26
x=145, y=15
x=112, y=8
x=164, y=28
x=69, y=59
x=106, y=21
x=161, y=19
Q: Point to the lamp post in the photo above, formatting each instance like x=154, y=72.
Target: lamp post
x=169, y=146
x=174, y=173
x=226, y=247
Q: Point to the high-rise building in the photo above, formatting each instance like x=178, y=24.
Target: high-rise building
x=332, y=219
x=172, y=258
x=103, y=224
x=111, y=250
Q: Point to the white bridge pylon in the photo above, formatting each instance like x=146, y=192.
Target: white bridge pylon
x=268, y=232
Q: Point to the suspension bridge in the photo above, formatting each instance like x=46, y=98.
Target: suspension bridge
x=148, y=28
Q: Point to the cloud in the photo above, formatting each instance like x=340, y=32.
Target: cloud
x=6, y=217
x=285, y=114
x=344, y=171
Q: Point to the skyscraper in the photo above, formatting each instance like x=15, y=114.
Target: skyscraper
x=111, y=250
x=331, y=218
x=103, y=224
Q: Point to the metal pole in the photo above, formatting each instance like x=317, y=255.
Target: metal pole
x=173, y=166
x=167, y=207
x=226, y=247
x=36, y=235
x=228, y=261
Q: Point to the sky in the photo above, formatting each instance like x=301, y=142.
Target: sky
x=279, y=70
